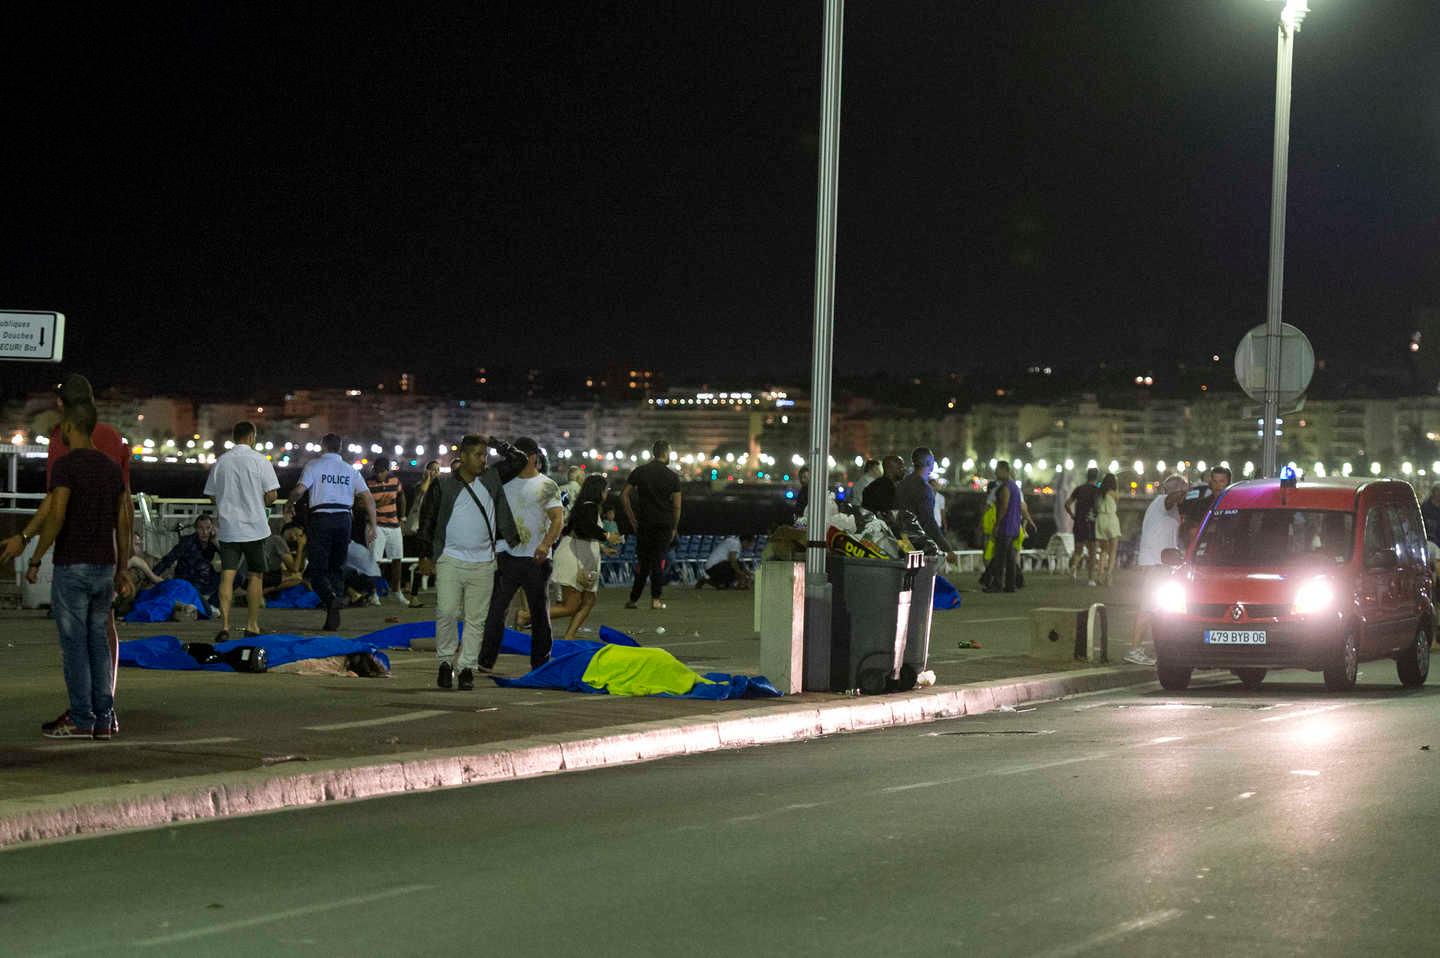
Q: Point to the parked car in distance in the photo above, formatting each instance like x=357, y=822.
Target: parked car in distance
x=1286, y=573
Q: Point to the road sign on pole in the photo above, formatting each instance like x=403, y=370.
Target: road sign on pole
x=34, y=336
x=1297, y=364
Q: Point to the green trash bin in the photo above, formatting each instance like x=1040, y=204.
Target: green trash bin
x=871, y=603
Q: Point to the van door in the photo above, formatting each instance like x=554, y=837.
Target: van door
x=1378, y=587
x=1414, y=578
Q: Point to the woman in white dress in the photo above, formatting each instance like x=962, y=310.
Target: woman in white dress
x=577, y=557
x=1107, y=524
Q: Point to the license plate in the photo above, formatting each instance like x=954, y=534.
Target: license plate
x=1234, y=637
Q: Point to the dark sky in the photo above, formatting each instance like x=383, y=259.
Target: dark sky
x=330, y=192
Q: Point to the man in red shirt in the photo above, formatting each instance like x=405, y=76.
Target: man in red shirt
x=76, y=389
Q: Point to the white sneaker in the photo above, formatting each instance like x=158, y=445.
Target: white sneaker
x=1139, y=657
x=401, y=598
x=1091, y=583
x=374, y=598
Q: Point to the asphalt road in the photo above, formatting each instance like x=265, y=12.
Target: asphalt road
x=1211, y=822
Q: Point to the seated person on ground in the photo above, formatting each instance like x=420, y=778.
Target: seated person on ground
x=195, y=557
x=360, y=571
x=723, y=569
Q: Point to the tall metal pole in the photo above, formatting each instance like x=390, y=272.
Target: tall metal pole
x=1290, y=19
x=817, y=587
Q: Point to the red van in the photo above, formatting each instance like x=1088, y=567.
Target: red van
x=1312, y=574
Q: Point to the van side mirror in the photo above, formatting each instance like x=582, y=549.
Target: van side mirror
x=1381, y=559
x=1172, y=557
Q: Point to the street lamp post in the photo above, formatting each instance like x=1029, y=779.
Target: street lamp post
x=817, y=586
x=1291, y=17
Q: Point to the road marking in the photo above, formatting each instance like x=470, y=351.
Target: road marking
x=1166, y=738
x=135, y=743
x=906, y=788
x=1244, y=795
x=1041, y=766
x=388, y=720
x=228, y=926
x=1307, y=772
x=1008, y=618
x=1142, y=923
x=680, y=645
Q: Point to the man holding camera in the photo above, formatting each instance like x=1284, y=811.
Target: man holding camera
x=464, y=517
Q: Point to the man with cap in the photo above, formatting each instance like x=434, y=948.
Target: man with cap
x=104, y=438
x=523, y=563
x=333, y=485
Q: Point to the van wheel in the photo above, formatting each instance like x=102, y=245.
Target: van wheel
x=1414, y=663
x=1173, y=678
x=1341, y=674
x=1250, y=678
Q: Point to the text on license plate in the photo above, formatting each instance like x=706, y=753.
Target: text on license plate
x=1234, y=637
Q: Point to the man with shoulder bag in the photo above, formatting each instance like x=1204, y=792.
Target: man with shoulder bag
x=464, y=517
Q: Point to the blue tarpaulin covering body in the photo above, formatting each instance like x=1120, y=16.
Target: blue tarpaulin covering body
x=157, y=603
x=946, y=595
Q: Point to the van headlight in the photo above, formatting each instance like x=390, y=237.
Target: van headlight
x=1169, y=597
x=1314, y=595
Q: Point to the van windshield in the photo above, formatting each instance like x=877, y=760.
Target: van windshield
x=1275, y=537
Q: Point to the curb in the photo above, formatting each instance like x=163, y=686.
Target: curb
x=198, y=798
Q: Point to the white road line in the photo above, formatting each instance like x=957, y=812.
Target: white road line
x=315, y=909
x=1008, y=618
x=1142, y=923
x=681, y=645
x=387, y=720
x=136, y=743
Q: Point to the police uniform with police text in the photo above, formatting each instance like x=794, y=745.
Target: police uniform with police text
x=333, y=484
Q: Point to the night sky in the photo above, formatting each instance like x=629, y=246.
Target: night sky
x=243, y=195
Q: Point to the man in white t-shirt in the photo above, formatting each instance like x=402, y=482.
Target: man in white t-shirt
x=723, y=568
x=243, y=485
x=334, y=485
x=524, y=564
x=1159, y=531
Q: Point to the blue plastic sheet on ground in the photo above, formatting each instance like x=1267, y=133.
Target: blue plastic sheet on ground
x=166, y=651
x=157, y=603
x=295, y=597
x=946, y=595
x=569, y=661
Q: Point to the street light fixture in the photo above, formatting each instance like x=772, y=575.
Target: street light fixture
x=1291, y=16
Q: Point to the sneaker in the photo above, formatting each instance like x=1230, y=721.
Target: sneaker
x=401, y=598
x=62, y=727
x=1091, y=583
x=374, y=598
x=103, y=730
x=185, y=612
x=1139, y=657
x=467, y=680
x=446, y=677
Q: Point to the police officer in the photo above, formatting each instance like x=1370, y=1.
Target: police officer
x=333, y=485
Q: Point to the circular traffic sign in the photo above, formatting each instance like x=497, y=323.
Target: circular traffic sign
x=1297, y=363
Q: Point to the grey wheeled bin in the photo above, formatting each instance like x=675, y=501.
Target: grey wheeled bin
x=870, y=621
x=922, y=610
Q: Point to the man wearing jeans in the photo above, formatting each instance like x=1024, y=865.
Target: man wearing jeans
x=463, y=517
x=89, y=523
x=523, y=563
x=1011, y=515
x=651, y=501
x=334, y=485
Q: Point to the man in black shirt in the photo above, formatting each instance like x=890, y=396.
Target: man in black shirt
x=651, y=501
x=879, y=496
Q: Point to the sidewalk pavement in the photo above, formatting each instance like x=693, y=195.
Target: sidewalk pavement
x=196, y=745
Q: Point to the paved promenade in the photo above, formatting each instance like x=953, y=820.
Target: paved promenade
x=190, y=725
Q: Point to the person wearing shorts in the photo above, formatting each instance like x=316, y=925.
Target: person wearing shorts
x=389, y=540
x=243, y=484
